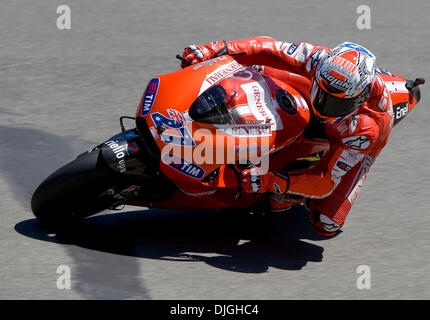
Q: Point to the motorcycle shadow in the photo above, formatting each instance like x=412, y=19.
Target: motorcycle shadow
x=229, y=240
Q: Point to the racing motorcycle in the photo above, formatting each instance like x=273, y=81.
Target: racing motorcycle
x=188, y=147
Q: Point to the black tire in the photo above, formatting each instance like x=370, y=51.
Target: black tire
x=72, y=192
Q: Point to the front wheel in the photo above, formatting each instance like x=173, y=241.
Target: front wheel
x=74, y=191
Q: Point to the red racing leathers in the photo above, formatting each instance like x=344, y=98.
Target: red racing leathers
x=334, y=183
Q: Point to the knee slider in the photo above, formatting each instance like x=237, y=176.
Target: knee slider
x=323, y=224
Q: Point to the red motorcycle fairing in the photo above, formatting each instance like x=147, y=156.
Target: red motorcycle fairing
x=196, y=155
x=402, y=98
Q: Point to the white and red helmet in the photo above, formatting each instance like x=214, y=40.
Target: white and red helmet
x=342, y=82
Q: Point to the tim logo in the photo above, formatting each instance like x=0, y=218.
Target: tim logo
x=149, y=96
x=186, y=167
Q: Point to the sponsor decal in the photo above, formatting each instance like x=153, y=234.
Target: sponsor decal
x=258, y=103
x=132, y=148
x=358, y=142
x=219, y=74
x=184, y=166
x=356, y=191
x=154, y=132
x=343, y=166
x=400, y=111
x=174, y=121
x=119, y=151
x=149, y=96
x=347, y=160
x=246, y=130
x=184, y=139
x=261, y=105
x=361, y=177
x=293, y=47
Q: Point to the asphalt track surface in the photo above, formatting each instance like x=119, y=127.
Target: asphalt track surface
x=63, y=91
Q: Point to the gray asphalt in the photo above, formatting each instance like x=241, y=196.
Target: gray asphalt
x=63, y=91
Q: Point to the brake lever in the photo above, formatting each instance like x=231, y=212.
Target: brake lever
x=179, y=57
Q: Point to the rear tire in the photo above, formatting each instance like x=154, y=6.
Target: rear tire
x=73, y=192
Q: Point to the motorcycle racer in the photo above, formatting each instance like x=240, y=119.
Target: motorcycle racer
x=347, y=98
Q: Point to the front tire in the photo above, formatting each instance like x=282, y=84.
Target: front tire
x=73, y=192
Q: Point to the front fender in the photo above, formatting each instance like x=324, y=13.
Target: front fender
x=122, y=153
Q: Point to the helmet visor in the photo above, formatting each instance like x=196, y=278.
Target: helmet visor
x=328, y=105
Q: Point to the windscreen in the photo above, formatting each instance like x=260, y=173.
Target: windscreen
x=210, y=107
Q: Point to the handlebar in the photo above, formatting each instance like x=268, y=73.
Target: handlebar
x=179, y=57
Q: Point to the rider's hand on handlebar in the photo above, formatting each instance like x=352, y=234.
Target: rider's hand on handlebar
x=194, y=54
x=255, y=181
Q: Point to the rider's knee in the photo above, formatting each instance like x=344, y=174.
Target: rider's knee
x=323, y=225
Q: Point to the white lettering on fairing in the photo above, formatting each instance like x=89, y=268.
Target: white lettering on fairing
x=261, y=104
x=219, y=74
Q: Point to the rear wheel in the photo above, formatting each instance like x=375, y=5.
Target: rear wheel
x=74, y=191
